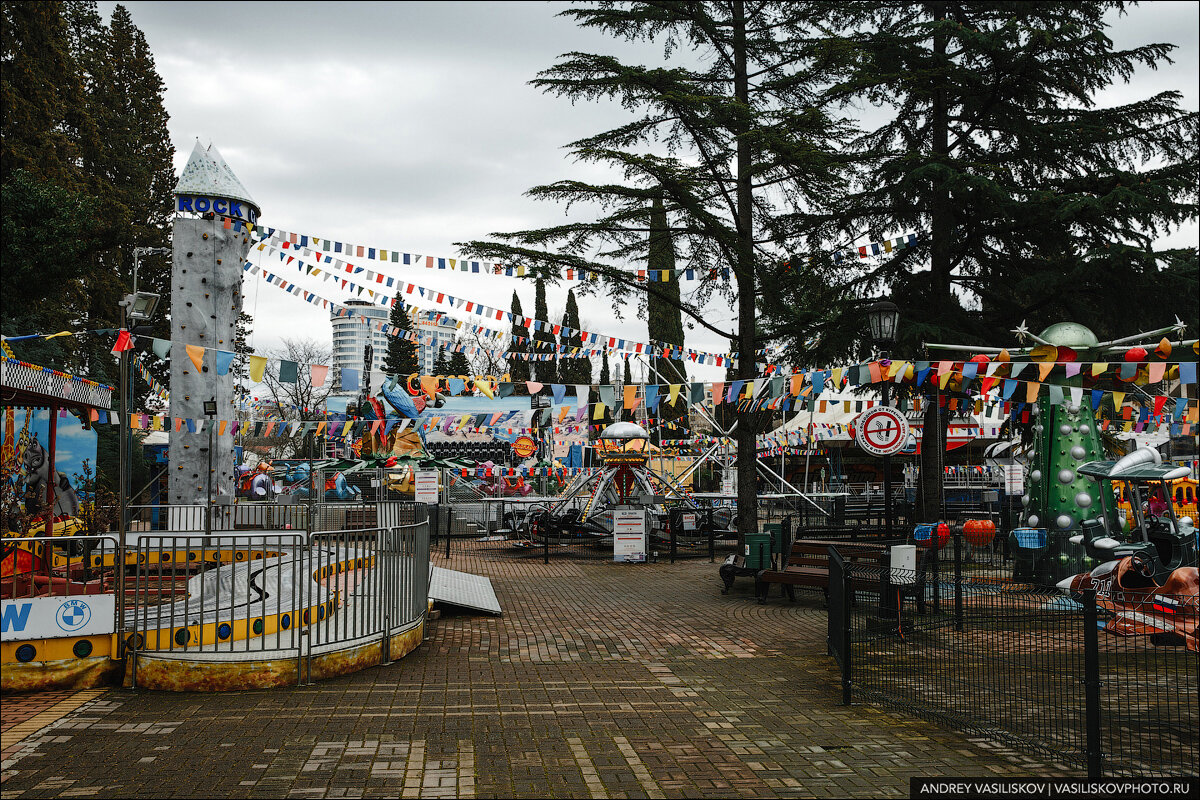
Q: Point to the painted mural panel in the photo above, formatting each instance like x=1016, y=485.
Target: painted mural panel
x=24, y=442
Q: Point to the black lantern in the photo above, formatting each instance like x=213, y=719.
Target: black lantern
x=883, y=318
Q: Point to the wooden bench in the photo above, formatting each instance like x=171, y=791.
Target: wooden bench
x=808, y=565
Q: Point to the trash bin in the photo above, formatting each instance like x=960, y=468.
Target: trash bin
x=1028, y=547
x=757, y=550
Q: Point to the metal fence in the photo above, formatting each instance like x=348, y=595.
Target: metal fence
x=284, y=513
x=61, y=566
x=1026, y=667
x=277, y=595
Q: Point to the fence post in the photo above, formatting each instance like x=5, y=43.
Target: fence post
x=848, y=648
x=1091, y=682
x=672, y=532
x=958, y=598
x=544, y=529
x=449, y=525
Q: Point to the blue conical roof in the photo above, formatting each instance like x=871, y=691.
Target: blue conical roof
x=207, y=174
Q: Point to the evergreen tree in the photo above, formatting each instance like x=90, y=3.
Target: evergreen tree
x=44, y=125
x=441, y=364
x=401, y=357
x=545, y=342
x=458, y=363
x=626, y=380
x=745, y=149
x=518, y=367
x=605, y=376
x=66, y=76
x=1031, y=202
x=575, y=369
x=664, y=324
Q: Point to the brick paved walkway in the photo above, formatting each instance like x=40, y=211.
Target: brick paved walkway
x=600, y=681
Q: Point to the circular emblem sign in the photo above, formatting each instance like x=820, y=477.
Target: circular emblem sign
x=73, y=615
x=882, y=431
x=524, y=446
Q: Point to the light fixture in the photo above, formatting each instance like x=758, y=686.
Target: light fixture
x=140, y=306
x=210, y=408
x=883, y=318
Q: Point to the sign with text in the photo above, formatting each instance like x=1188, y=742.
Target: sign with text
x=425, y=486
x=729, y=483
x=629, y=535
x=57, y=617
x=689, y=520
x=1014, y=479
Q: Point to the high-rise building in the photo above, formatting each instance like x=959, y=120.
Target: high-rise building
x=433, y=335
x=352, y=334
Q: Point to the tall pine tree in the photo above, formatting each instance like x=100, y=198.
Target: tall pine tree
x=744, y=149
x=401, y=357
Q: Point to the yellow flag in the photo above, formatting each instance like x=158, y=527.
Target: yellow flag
x=1118, y=401
x=598, y=413
x=258, y=365
x=837, y=377
x=1099, y=368
x=673, y=393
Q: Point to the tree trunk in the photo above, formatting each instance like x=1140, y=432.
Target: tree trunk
x=747, y=493
x=933, y=442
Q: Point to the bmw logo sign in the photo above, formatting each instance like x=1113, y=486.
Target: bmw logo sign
x=73, y=615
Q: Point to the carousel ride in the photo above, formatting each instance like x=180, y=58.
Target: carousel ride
x=583, y=510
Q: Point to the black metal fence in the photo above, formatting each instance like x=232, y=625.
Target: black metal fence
x=1027, y=667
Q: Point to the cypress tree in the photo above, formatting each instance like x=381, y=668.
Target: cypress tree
x=518, y=367
x=664, y=323
x=544, y=340
x=401, y=357
x=577, y=369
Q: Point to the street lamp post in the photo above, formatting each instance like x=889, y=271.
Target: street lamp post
x=883, y=318
x=135, y=308
x=210, y=411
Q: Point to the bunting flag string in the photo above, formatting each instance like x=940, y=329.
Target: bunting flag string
x=391, y=255
x=369, y=278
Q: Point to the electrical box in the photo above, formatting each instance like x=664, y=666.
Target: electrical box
x=903, y=563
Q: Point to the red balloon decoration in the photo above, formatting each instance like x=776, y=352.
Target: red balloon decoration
x=1135, y=354
x=979, y=532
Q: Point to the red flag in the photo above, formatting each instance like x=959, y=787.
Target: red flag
x=124, y=342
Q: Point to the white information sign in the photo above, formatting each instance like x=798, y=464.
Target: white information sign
x=729, y=483
x=689, y=520
x=425, y=486
x=57, y=617
x=1014, y=479
x=629, y=535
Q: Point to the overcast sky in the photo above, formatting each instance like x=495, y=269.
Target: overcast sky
x=411, y=126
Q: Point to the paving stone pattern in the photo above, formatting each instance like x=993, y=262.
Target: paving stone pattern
x=600, y=680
